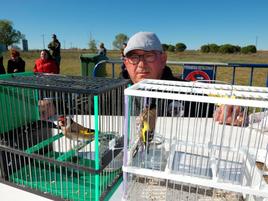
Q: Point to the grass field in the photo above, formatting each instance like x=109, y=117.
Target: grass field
x=70, y=63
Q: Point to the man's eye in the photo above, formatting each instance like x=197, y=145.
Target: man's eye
x=134, y=57
x=149, y=55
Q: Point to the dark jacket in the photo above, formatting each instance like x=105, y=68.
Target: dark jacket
x=174, y=108
x=15, y=66
x=54, y=46
x=2, y=68
x=102, y=51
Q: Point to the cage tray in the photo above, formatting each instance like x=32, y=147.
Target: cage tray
x=58, y=181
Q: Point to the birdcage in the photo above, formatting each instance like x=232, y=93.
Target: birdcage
x=62, y=135
x=195, y=141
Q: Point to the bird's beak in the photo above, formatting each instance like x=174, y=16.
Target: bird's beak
x=61, y=121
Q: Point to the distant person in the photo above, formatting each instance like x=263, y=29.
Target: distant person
x=2, y=68
x=54, y=47
x=46, y=64
x=15, y=64
x=122, y=51
x=102, y=50
x=123, y=67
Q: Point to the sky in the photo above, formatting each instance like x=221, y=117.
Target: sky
x=192, y=22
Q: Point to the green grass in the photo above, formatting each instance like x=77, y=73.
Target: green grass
x=70, y=63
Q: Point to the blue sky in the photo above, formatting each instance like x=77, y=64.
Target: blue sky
x=193, y=22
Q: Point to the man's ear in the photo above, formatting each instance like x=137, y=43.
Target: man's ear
x=164, y=59
x=126, y=62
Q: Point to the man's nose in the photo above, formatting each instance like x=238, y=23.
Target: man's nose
x=141, y=61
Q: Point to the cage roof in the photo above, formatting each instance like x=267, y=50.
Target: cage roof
x=66, y=83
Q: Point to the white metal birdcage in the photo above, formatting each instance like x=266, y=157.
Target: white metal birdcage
x=195, y=141
x=62, y=135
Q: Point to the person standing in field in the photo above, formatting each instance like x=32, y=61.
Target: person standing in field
x=102, y=50
x=15, y=64
x=122, y=51
x=123, y=67
x=54, y=46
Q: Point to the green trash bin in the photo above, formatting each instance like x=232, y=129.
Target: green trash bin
x=88, y=62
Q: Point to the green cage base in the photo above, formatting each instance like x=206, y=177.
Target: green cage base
x=63, y=182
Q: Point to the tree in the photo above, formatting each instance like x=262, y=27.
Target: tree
x=165, y=46
x=180, y=47
x=228, y=49
x=249, y=49
x=92, y=45
x=119, y=40
x=8, y=35
x=213, y=48
x=171, y=48
x=205, y=48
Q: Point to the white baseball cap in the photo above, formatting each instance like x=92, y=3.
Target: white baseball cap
x=146, y=41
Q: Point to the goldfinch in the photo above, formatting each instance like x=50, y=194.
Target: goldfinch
x=147, y=122
x=73, y=130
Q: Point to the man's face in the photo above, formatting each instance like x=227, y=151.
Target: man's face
x=145, y=65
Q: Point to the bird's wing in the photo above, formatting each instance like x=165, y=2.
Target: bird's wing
x=77, y=131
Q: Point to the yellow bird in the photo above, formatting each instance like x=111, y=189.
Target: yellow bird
x=147, y=122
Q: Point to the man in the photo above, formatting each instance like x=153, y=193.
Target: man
x=145, y=58
x=54, y=47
